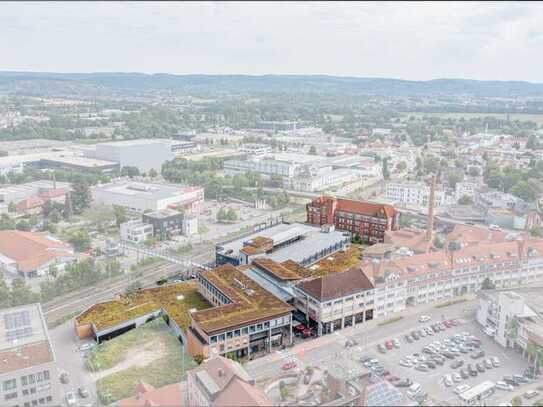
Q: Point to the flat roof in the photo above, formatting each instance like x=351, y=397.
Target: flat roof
x=313, y=241
x=176, y=299
x=147, y=190
x=82, y=161
x=135, y=142
x=23, y=338
x=250, y=302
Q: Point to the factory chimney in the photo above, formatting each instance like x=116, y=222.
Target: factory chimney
x=430, y=220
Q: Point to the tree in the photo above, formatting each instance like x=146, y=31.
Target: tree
x=21, y=293
x=516, y=401
x=536, y=231
x=454, y=178
x=6, y=223
x=68, y=211
x=473, y=172
x=488, y=284
x=386, y=172
x=152, y=173
x=313, y=150
x=132, y=288
x=120, y=215
x=81, y=196
x=23, y=225
x=401, y=166
x=465, y=200
x=130, y=171
x=199, y=359
x=12, y=208
x=80, y=240
x=533, y=143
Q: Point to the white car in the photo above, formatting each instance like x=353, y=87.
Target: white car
x=504, y=386
x=461, y=388
x=424, y=318
x=396, y=343
x=71, y=399
x=447, y=380
x=456, y=378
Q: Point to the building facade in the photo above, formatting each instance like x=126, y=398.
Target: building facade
x=166, y=223
x=368, y=220
x=28, y=370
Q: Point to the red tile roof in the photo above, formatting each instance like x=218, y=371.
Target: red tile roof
x=365, y=208
x=30, y=203
x=26, y=356
x=31, y=250
x=336, y=285
x=148, y=396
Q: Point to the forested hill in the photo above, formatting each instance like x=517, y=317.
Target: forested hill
x=100, y=83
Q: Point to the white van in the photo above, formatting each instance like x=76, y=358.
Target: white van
x=414, y=389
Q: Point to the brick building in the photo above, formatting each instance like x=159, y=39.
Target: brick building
x=368, y=220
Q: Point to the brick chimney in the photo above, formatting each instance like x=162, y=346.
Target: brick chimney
x=430, y=220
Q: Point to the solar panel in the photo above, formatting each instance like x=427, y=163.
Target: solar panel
x=17, y=319
x=18, y=333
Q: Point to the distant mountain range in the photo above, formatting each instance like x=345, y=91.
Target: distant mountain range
x=101, y=83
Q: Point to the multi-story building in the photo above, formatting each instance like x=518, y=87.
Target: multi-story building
x=28, y=370
x=336, y=301
x=304, y=244
x=428, y=277
x=166, y=223
x=136, y=231
x=255, y=148
x=138, y=197
x=144, y=154
x=245, y=320
x=370, y=221
x=79, y=164
x=415, y=193
x=223, y=382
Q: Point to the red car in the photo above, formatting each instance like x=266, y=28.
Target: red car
x=389, y=345
x=288, y=365
x=447, y=323
x=391, y=378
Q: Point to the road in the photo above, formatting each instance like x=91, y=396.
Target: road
x=326, y=349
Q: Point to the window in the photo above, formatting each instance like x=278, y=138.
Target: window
x=237, y=332
x=266, y=324
x=24, y=380
x=42, y=401
x=25, y=392
x=213, y=339
x=259, y=327
x=32, y=390
x=49, y=399
x=252, y=328
x=31, y=378
x=10, y=396
x=229, y=335
x=221, y=337
x=40, y=377
x=245, y=331
x=10, y=385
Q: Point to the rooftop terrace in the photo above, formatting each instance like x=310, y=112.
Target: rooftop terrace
x=250, y=302
x=176, y=299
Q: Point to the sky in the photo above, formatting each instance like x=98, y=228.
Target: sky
x=406, y=40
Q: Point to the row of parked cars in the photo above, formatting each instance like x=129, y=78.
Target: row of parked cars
x=375, y=367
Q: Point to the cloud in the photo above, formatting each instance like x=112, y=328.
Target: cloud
x=415, y=40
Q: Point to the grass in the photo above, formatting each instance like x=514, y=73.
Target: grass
x=341, y=261
x=202, y=229
x=169, y=368
x=536, y=118
x=176, y=299
x=451, y=302
x=390, y=321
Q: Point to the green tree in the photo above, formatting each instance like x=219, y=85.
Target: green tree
x=401, y=166
x=23, y=225
x=473, y=172
x=6, y=223
x=152, y=173
x=386, y=172
x=12, y=208
x=465, y=200
x=313, y=150
x=80, y=240
x=120, y=215
x=21, y=293
x=81, y=196
x=536, y=231
x=488, y=284
x=130, y=171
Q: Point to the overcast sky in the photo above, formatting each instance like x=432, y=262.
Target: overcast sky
x=428, y=40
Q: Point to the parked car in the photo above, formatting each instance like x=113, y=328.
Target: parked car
x=461, y=388
x=424, y=318
x=457, y=364
x=381, y=348
x=403, y=383
x=405, y=363
x=464, y=374
x=421, y=368
x=504, y=386
x=430, y=364
x=87, y=346
x=480, y=367
x=472, y=371
x=422, y=333
x=447, y=380
x=389, y=345
x=477, y=354
x=415, y=335
x=454, y=322
x=456, y=378
x=83, y=392
x=530, y=394
x=396, y=343
x=288, y=365
x=71, y=399
x=488, y=364
x=511, y=381
x=408, y=338
x=520, y=378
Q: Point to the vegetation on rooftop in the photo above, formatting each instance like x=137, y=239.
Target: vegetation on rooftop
x=146, y=301
x=341, y=261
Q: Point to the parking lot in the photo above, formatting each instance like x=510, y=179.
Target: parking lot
x=432, y=380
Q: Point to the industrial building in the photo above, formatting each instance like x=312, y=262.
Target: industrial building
x=79, y=164
x=138, y=197
x=144, y=154
x=304, y=244
x=28, y=369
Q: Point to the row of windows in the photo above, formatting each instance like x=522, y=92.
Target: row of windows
x=11, y=384
x=250, y=329
x=214, y=291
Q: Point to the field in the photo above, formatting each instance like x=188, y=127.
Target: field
x=536, y=118
x=150, y=353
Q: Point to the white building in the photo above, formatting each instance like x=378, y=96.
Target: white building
x=136, y=231
x=255, y=148
x=137, y=197
x=466, y=188
x=415, y=193
x=28, y=369
x=145, y=154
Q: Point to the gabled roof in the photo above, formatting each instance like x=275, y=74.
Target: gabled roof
x=366, y=208
x=336, y=285
x=31, y=250
x=148, y=396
